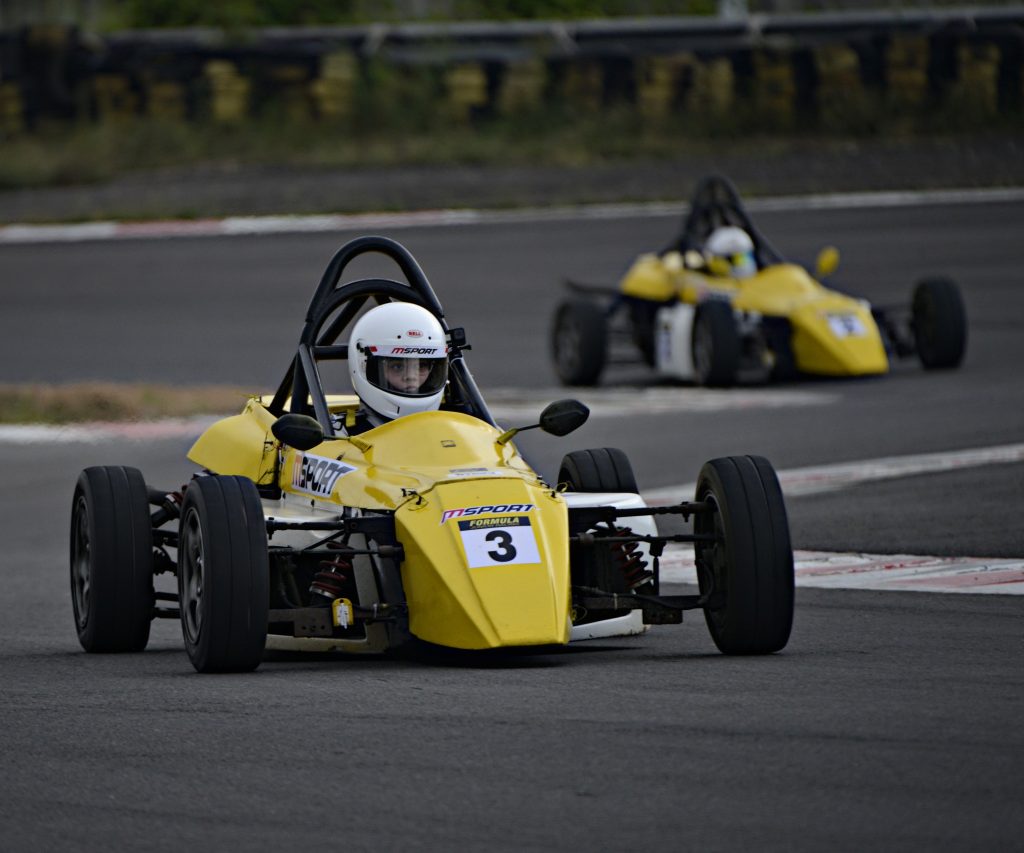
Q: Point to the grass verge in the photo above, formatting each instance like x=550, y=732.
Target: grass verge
x=108, y=401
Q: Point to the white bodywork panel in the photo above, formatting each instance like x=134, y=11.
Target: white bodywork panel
x=673, y=334
x=632, y=623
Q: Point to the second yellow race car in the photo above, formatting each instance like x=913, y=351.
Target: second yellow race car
x=717, y=315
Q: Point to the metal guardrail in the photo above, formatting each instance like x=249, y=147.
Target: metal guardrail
x=786, y=63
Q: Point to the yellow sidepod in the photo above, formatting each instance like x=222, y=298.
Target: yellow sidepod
x=649, y=278
x=486, y=564
x=241, y=445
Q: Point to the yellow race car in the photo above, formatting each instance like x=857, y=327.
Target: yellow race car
x=738, y=311
x=299, y=532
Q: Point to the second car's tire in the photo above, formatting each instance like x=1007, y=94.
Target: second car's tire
x=748, y=566
x=602, y=469
x=939, y=323
x=223, y=574
x=716, y=344
x=579, y=342
x=111, y=560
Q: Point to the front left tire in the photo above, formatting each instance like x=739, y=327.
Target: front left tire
x=579, y=342
x=939, y=322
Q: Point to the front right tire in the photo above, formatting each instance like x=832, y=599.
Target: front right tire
x=111, y=560
x=748, y=564
x=223, y=574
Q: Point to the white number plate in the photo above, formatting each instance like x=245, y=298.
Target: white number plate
x=846, y=326
x=505, y=541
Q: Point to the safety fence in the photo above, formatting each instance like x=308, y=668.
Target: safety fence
x=837, y=71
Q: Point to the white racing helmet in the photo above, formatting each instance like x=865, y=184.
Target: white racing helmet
x=735, y=246
x=398, y=359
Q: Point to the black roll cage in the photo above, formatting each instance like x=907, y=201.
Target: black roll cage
x=716, y=203
x=301, y=390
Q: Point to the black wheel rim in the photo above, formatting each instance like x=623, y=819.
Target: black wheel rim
x=81, y=577
x=711, y=567
x=191, y=565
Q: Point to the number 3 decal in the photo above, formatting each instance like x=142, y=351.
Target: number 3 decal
x=506, y=551
x=510, y=542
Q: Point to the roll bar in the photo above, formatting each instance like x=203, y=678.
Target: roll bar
x=340, y=303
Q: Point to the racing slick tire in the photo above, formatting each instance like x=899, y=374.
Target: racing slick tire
x=939, y=322
x=111, y=560
x=603, y=469
x=749, y=565
x=579, y=342
x=716, y=345
x=223, y=574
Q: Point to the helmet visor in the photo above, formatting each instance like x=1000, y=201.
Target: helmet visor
x=410, y=376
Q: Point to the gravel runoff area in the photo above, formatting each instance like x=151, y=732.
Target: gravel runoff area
x=758, y=167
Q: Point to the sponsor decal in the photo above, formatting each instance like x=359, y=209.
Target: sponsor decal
x=414, y=333
x=428, y=351
x=316, y=475
x=470, y=472
x=487, y=509
x=499, y=521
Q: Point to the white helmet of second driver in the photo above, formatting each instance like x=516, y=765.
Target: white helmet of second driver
x=735, y=246
x=398, y=359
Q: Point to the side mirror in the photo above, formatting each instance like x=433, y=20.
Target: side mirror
x=827, y=263
x=563, y=416
x=299, y=431
x=558, y=418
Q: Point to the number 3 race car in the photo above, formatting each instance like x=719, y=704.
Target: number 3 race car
x=684, y=314
x=428, y=529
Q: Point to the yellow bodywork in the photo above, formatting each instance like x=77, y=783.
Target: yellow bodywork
x=486, y=542
x=832, y=334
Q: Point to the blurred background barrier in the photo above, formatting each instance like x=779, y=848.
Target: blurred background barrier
x=834, y=69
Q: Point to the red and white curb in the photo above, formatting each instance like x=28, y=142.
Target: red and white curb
x=813, y=568
x=899, y=572
x=234, y=226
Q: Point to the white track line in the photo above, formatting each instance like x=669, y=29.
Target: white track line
x=828, y=478
x=263, y=225
x=895, y=572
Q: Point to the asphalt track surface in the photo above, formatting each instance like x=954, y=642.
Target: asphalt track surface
x=891, y=721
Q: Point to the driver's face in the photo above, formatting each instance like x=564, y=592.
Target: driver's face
x=406, y=375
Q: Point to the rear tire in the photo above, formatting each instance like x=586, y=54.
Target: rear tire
x=603, y=469
x=111, y=560
x=939, y=323
x=751, y=562
x=716, y=344
x=579, y=342
x=223, y=574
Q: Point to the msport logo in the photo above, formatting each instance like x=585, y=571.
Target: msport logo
x=482, y=510
x=316, y=475
x=432, y=351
